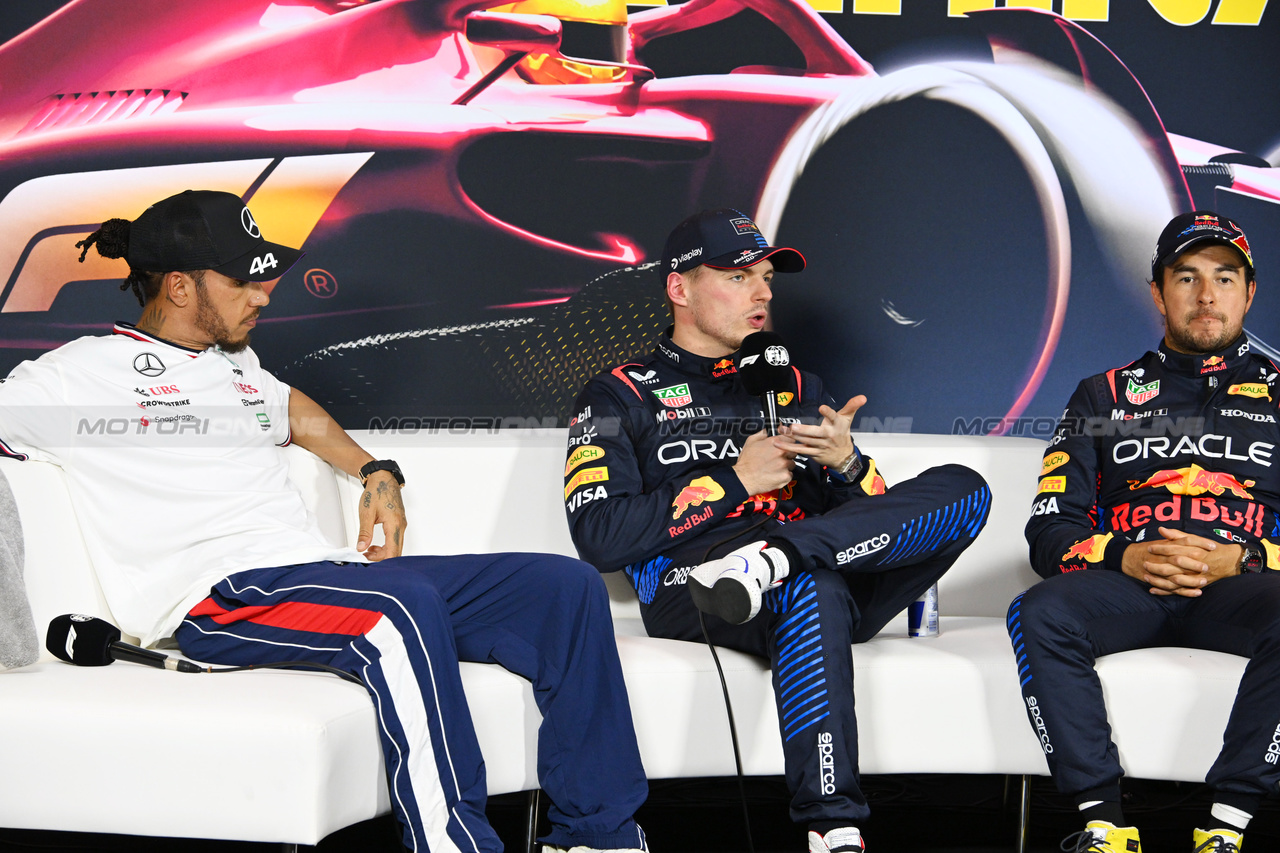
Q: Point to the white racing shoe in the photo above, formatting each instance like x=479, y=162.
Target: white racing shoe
x=845, y=839
x=731, y=586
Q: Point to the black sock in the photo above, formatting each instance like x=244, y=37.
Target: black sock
x=793, y=559
x=1110, y=812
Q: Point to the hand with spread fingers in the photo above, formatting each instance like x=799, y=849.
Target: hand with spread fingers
x=827, y=443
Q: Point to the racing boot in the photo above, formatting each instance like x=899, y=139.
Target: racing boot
x=845, y=839
x=1098, y=836
x=1217, y=841
x=731, y=586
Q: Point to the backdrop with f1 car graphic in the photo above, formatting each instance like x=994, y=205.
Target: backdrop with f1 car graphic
x=977, y=188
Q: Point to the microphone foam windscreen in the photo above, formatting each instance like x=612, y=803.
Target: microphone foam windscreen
x=764, y=364
x=81, y=640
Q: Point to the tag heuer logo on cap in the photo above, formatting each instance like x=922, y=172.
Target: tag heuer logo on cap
x=675, y=396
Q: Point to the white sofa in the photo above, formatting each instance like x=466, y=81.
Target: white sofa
x=289, y=757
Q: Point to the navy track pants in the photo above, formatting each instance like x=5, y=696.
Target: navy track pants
x=401, y=626
x=1060, y=625
x=894, y=546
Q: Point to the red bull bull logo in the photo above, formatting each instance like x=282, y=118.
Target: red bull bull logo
x=723, y=367
x=1090, y=550
x=1243, y=245
x=700, y=490
x=1213, y=364
x=1195, y=481
x=872, y=482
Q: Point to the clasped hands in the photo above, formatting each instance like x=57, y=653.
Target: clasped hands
x=1181, y=563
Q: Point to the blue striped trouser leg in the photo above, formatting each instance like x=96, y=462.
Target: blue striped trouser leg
x=892, y=547
x=402, y=626
x=811, y=628
x=1058, y=628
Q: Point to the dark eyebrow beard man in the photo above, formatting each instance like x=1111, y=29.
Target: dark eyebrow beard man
x=1155, y=524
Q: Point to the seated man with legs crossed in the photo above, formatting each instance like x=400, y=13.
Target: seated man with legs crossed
x=791, y=544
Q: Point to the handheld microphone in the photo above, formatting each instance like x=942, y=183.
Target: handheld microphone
x=89, y=641
x=764, y=365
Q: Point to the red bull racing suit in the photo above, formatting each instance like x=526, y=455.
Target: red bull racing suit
x=1171, y=440
x=650, y=489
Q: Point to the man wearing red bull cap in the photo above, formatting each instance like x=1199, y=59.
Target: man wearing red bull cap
x=197, y=532
x=1156, y=524
x=669, y=470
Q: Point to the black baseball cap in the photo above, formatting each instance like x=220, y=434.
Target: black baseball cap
x=726, y=240
x=1189, y=229
x=205, y=230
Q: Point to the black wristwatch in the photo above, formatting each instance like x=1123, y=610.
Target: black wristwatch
x=1251, y=561
x=388, y=465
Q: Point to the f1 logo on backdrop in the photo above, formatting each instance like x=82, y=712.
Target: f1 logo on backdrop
x=42, y=219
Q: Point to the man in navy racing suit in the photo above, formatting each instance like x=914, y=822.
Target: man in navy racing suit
x=669, y=466
x=1155, y=524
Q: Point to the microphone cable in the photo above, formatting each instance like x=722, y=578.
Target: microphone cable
x=724, y=685
x=285, y=664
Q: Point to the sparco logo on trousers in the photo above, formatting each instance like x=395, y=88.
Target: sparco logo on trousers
x=1033, y=708
x=826, y=763
x=1273, y=748
x=862, y=549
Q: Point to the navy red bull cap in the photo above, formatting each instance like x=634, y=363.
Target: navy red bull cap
x=1191, y=229
x=205, y=230
x=724, y=239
